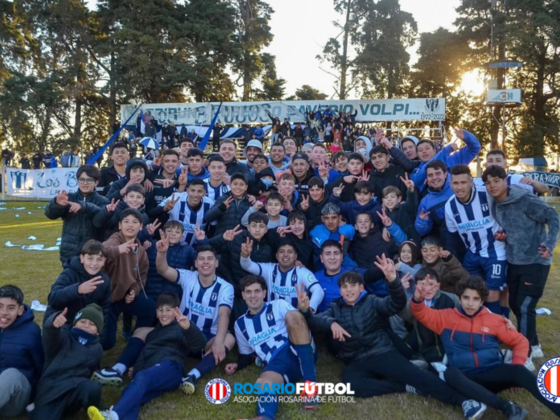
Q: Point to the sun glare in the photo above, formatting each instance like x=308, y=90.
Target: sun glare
x=473, y=82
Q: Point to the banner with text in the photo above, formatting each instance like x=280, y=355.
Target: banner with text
x=40, y=183
x=375, y=110
x=551, y=179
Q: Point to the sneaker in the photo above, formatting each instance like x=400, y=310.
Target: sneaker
x=421, y=363
x=188, y=386
x=536, y=352
x=108, y=376
x=517, y=412
x=473, y=410
x=530, y=365
x=310, y=401
x=95, y=414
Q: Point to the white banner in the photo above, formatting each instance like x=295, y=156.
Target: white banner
x=255, y=112
x=40, y=183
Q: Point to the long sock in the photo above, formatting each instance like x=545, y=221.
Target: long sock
x=267, y=405
x=205, y=365
x=131, y=352
x=494, y=307
x=307, y=361
x=506, y=311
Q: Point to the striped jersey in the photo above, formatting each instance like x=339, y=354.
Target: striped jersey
x=283, y=285
x=475, y=224
x=189, y=217
x=264, y=333
x=202, y=304
x=213, y=193
x=512, y=179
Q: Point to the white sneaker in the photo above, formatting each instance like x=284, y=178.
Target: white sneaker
x=530, y=365
x=536, y=352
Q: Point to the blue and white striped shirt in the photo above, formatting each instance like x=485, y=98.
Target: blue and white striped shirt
x=190, y=218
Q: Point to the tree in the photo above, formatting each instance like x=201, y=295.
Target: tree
x=273, y=88
x=253, y=34
x=307, y=93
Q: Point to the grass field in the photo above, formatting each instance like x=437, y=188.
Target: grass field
x=35, y=271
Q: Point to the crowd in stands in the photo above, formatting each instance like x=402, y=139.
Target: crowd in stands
x=392, y=256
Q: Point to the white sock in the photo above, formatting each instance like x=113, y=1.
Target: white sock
x=195, y=373
x=119, y=367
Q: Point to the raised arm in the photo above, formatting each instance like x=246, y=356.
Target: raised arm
x=163, y=269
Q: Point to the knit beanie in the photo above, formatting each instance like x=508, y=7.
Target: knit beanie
x=94, y=313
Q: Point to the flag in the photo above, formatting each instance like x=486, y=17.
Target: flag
x=142, y=123
x=204, y=141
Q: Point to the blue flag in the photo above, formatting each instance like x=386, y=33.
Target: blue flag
x=204, y=142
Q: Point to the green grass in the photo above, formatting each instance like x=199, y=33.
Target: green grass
x=35, y=271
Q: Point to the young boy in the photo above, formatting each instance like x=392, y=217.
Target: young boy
x=340, y=163
x=162, y=362
x=355, y=174
x=364, y=201
x=471, y=336
x=82, y=283
x=421, y=339
x=373, y=366
x=287, y=189
x=215, y=186
x=180, y=255
x=230, y=208
x=312, y=204
x=285, y=344
x=384, y=173
x=127, y=267
x=196, y=165
x=21, y=352
x=136, y=172
x=77, y=211
x=449, y=269
x=189, y=208
x=403, y=214
x=108, y=217
x=71, y=356
x=274, y=203
x=119, y=156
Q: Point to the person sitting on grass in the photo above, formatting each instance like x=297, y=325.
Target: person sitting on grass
x=71, y=356
x=279, y=336
x=77, y=211
x=373, y=366
x=282, y=277
x=81, y=284
x=127, y=267
x=471, y=336
x=161, y=364
x=21, y=352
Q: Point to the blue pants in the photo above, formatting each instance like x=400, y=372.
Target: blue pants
x=147, y=385
x=142, y=307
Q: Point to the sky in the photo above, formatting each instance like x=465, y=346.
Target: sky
x=302, y=27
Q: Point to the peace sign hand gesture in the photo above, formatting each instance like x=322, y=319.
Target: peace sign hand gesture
x=387, y=266
x=163, y=244
x=152, y=227
x=424, y=216
x=304, y=205
x=199, y=234
x=365, y=176
x=171, y=203
x=228, y=202
x=62, y=198
x=303, y=298
x=247, y=248
x=182, y=320
x=337, y=191
x=232, y=233
x=113, y=205
x=409, y=183
x=386, y=220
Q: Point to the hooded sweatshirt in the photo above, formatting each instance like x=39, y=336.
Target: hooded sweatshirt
x=524, y=218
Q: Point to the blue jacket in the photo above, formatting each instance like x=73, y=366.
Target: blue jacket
x=434, y=203
x=350, y=209
x=203, y=175
x=179, y=256
x=21, y=347
x=320, y=234
x=259, y=133
x=330, y=285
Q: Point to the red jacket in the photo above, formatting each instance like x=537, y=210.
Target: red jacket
x=472, y=343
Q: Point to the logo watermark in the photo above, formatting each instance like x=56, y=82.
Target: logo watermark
x=548, y=380
x=217, y=391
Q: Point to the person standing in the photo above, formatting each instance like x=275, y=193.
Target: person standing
x=24, y=161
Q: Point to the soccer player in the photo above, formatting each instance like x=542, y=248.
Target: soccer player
x=467, y=214
x=278, y=334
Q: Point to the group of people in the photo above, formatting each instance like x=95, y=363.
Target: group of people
x=393, y=257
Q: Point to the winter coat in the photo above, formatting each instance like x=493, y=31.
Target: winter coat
x=350, y=209
x=109, y=221
x=404, y=215
x=347, y=193
x=450, y=272
x=21, y=347
x=365, y=321
x=472, y=343
x=64, y=293
x=364, y=250
x=179, y=256
x=391, y=176
x=525, y=218
x=126, y=271
x=238, y=167
x=77, y=228
x=227, y=218
x=67, y=361
x=108, y=176
x=434, y=203
x=313, y=213
x=171, y=343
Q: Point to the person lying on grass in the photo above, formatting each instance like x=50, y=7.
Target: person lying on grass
x=471, y=336
x=161, y=364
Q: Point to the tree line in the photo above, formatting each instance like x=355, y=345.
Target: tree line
x=66, y=66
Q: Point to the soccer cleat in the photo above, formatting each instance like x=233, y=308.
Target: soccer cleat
x=108, y=376
x=95, y=414
x=517, y=412
x=530, y=365
x=310, y=401
x=536, y=352
x=473, y=410
x=188, y=386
